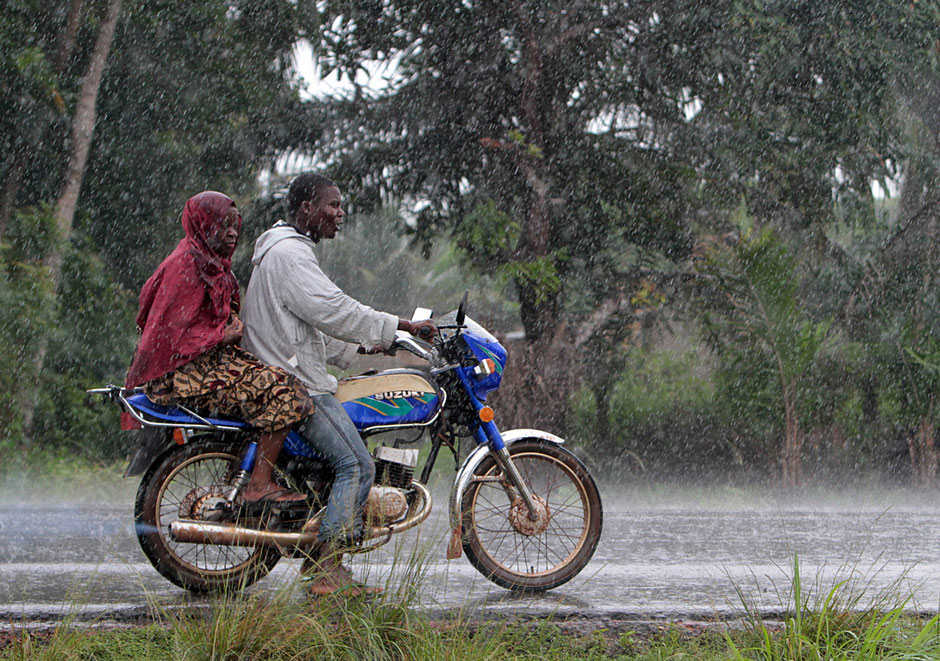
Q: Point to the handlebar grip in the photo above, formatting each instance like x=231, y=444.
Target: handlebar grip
x=425, y=331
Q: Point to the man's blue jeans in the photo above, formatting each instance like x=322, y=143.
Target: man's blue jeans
x=333, y=435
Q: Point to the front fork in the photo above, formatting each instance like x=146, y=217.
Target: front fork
x=487, y=433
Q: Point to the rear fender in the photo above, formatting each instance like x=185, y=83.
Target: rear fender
x=153, y=442
x=465, y=474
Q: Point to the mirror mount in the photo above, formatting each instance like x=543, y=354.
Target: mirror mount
x=462, y=310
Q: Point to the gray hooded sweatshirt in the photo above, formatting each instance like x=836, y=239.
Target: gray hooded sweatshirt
x=298, y=319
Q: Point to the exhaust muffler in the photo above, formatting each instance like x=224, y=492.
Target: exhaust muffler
x=230, y=534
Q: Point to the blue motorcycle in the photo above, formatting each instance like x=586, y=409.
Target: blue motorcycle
x=524, y=510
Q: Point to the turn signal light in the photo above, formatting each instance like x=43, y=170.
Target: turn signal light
x=487, y=414
x=486, y=367
x=178, y=436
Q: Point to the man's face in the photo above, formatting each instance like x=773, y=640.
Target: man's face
x=323, y=217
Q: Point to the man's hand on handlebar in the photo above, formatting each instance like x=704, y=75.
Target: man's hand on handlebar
x=423, y=330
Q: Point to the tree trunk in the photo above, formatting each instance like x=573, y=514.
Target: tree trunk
x=11, y=184
x=923, y=451
x=540, y=377
x=545, y=367
x=68, y=36
x=547, y=375
x=83, y=126
x=602, y=424
x=14, y=174
x=791, y=460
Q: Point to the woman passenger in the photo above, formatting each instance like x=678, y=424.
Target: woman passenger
x=188, y=352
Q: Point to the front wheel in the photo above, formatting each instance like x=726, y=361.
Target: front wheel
x=518, y=552
x=190, y=482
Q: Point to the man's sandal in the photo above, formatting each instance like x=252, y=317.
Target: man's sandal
x=351, y=589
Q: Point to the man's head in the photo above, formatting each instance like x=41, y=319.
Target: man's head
x=315, y=206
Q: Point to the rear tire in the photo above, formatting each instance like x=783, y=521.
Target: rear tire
x=169, y=490
x=519, y=554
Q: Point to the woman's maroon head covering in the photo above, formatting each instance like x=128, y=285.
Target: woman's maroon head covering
x=186, y=304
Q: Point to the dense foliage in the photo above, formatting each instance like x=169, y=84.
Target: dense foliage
x=194, y=97
x=675, y=202
x=587, y=151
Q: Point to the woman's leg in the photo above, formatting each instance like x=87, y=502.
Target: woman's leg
x=261, y=482
x=332, y=434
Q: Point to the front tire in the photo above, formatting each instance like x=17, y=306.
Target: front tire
x=531, y=556
x=173, y=488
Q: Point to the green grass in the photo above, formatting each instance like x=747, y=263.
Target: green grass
x=281, y=626
x=353, y=632
x=838, y=624
x=278, y=624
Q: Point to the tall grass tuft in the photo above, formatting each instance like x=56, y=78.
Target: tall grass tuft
x=63, y=643
x=837, y=626
x=282, y=626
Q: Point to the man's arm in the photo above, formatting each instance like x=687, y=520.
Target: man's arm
x=339, y=353
x=310, y=295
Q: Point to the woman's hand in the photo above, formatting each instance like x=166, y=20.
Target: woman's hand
x=233, y=331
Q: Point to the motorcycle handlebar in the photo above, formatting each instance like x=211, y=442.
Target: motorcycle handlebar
x=410, y=344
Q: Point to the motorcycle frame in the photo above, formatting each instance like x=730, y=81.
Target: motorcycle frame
x=490, y=441
x=487, y=435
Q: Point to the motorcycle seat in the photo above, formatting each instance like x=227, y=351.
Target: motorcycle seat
x=176, y=416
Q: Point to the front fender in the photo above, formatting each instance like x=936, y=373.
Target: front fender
x=465, y=474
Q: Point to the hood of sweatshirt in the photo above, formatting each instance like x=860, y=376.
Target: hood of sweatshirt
x=281, y=231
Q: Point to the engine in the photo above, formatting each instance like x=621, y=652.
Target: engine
x=395, y=467
x=384, y=505
x=394, y=471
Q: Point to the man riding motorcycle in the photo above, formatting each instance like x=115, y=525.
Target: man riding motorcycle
x=296, y=318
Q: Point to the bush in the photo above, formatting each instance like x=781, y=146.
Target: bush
x=662, y=415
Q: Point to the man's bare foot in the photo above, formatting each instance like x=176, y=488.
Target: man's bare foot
x=270, y=493
x=327, y=575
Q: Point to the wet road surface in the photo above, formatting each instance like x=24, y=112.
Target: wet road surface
x=660, y=561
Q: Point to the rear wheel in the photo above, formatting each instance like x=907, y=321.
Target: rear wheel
x=520, y=553
x=189, y=483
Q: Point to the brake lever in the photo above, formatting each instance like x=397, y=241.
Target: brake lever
x=412, y=344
